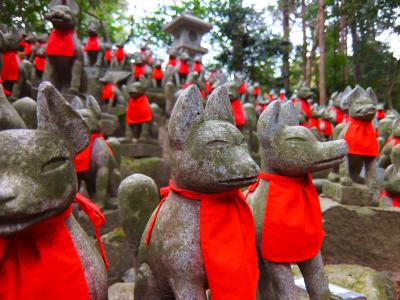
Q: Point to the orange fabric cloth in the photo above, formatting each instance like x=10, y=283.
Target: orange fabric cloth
x=138, y=70
x=120, y=55
x=313, y=122
x=157, y=73
x=61, y=43
x=138, y=110
x=41, y=262
x=82, y=159
x=108, y=55
x=395, y=198
x=183, y=67
x=172, y=61
x=197, y=67
x=40, y=63
x=328, y=130
x=107, y=92
x=10, y=66
x=238, y=112
x=361, y=138
x=242, y=88
x=292, y=228
x=227, y=240
x=92, y=44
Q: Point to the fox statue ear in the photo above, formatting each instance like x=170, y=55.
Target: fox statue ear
x=55, y=114
x=269, y=123
x=371, y=94
x=188, y=112
x=219, y=106
x=93, y=105
x=356, y=93
x=288, y=115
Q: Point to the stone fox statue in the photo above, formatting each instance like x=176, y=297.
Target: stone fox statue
x=285, y=204
x=40, y=240
x=202, y=234
x=64, y=63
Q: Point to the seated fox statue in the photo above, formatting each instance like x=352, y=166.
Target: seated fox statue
x=285, y=203
x=391, y=194
x=202, y=235
x=44, y=253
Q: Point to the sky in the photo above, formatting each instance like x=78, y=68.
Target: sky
x=143, y=7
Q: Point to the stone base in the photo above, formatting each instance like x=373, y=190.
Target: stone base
x=356, y=194
x=140, y=150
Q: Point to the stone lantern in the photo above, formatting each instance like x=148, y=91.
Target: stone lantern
x=188, y=31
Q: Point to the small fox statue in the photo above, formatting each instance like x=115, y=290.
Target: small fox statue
x=189, y=246
x=285, y=204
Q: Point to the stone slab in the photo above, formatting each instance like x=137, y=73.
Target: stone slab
x=121, y=291
x=140, y=150
x=356, y=194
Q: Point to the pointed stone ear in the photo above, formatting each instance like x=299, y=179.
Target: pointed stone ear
x=288, y=115
x=219, y=106
x=371, y=94
x=55, y=114
x=269, y=123
x=356, y=93
x=187, y=112
x=77, y=103
x=93, y=105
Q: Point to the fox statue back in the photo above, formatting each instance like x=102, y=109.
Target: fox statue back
x=285, y=204
x=209, y=157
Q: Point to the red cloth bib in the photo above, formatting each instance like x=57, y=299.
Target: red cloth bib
x=238, y=112
x=395, y=198
x=10, y=66
x=242, y=88
x=282, y=97
x=339, y=115
x=227, y=240
x=157, y=73
x=395, y=140
x=107, y=92
x=138, y=110
x=380, y=114
x=172, y=61
x=256, y=91
x=328, y=130
x=304, y=106
x=197, y=67
x=361, y=138
x=28, y=49
x=41, y=262
x=183, y=67
x=40, y=63
x=82, y=159
x=313, y=122
x=209, y=87
x=138, y=70
x=292, y=229
x=92, y=44
x=120, y=55
x=108, y=55
x=61, y=43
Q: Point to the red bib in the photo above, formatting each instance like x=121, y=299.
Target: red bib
x=183, y=67
x=209, y=87
x=282, y=97
x=41, y=262
x=242, y=89
x=328, y=130
x=10, y=66
x=313, y=122
x=227, y=240
x=107, y=55
x=395, y=198
x=238, y=112
x=82, y=159
x=172, y=61
x=138, y=70
x=157, y=73
x=197, y=67
x=361, y=138
x=292, y=229
x=107, y=92
x=92, y=44
x=304, y=106
x=256, y=91
x=120, y=55
x=138, y=110
x=61, y=43
x=40, y=63
x=394, y=139
x=380, y=114
x=28, y=49
x=339, y=115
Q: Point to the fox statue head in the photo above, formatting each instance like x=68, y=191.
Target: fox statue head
x=208, y=153
x=292, y=150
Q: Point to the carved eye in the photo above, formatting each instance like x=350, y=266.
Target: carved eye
x=296, y=139
x=217, y=143
x=54, y=164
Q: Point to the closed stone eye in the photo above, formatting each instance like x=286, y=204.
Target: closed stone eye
x=217, y=143
x=54, y=164
x=295, y=139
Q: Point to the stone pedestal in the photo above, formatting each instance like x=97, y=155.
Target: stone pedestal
x=356, y=194
x=140, y=150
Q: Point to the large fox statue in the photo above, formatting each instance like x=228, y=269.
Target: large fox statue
x=202, y=234
x=285, y=203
